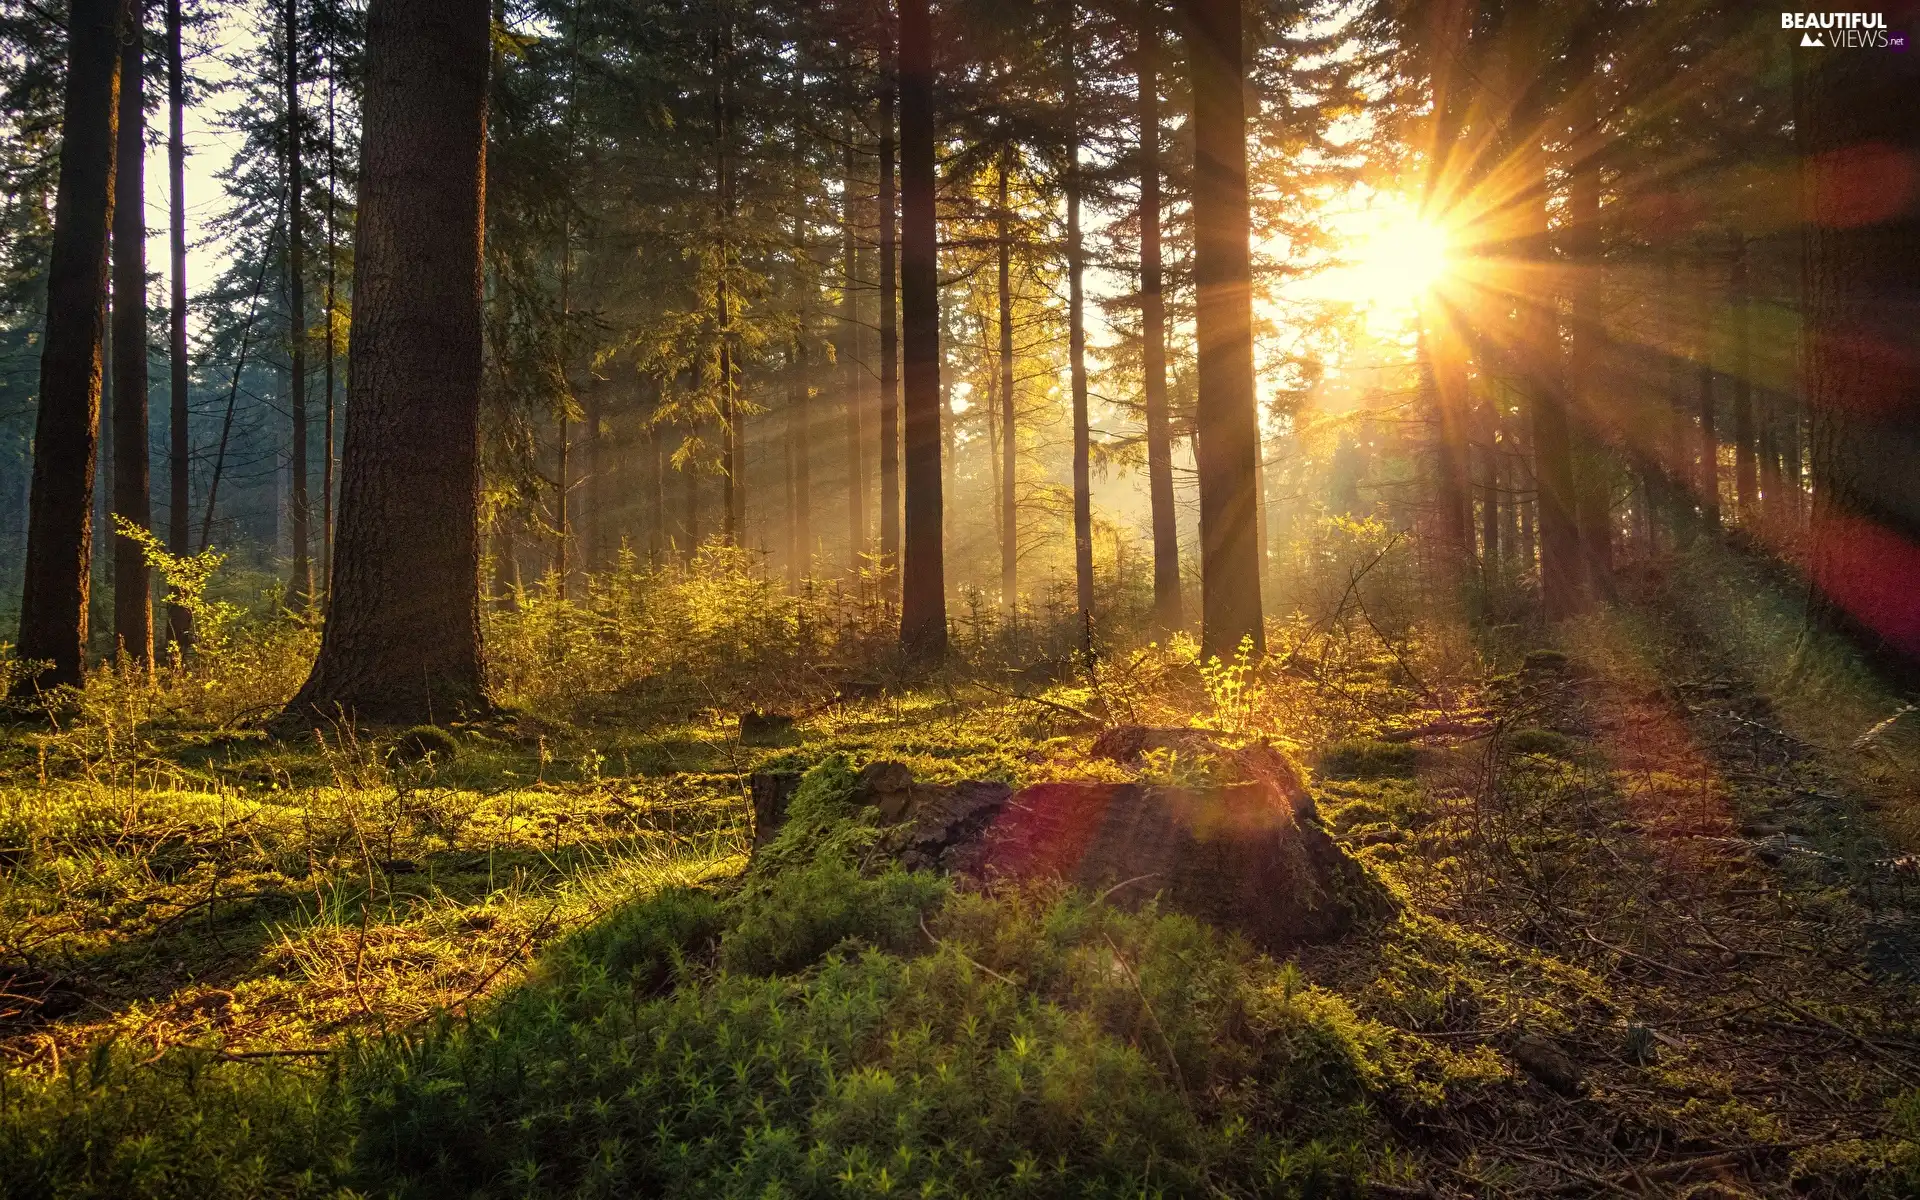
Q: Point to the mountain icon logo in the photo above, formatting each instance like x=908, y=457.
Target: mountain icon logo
x=1809, y=39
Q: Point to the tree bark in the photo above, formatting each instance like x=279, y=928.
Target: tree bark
x=800, y=454
x=299, y=508
x=1707, y=479
x=1077, y=366
x=179, y=431
x=848, y=353
x=923, y=598
x=889, y=331
x=132, y=493
x=1226, y=421
x=332, y=299
x=593, y=490
x=1746, y=467
x=1009, y=419
x=402, y=638
x=53, y=602
x=1587, y=341
x=1562, y=570
x=1153, y=332
x=732, y=419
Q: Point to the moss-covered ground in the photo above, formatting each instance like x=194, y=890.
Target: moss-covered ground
x=1657, y=936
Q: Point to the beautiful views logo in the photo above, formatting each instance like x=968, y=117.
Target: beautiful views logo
x=1844, y=31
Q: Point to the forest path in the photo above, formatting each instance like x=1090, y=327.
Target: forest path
x=1696, y=905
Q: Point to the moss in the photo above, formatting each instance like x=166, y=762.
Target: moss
x=1364, y=758
x=1545, y=743
x=422, y=743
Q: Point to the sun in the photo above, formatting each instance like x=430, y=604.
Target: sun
x=1388, y=257
x=1398, y=262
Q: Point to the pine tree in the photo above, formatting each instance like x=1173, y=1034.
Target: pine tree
x=53, y=604
x=393, y=650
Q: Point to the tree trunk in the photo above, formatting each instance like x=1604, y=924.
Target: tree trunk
x=132, y=495
x=734, y=475
x=1746, y=472
x=299, y=509
x=889, y=332
x=848, y=353
x=1009, y=419
x=1587, y=342
x=1153, y=332
x=1562, y=570
x=1707, y=480
x=402, y=638
x=1859, y=133
x=180, y=446
x=1077, y=375
x=327, y=454
x=1489, y=493
x=1446, y=362
x=800, y=454
x=53, y=602
x=1226, y=422
x=593, y=491
x=923, y=598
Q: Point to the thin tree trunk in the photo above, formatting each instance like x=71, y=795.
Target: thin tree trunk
x=1489, y=493
x=53, y=602
x=1587, y=342
x=299, y=508
x=1153, y=332
x=1562, y=570
x=1447, y=387
x=1077, y=372
x=889, y=333
x=848, y=353
x=1009, y=419
x=733, y=431
x=1746, y=474
x=1708, y=479
x=1226, y=423
x=132, y=494
x=402, y=638
x=923, y=598
x=593, y=490
x=233, y=396
x=333, y=350
x=800, y=454
x=179, y=431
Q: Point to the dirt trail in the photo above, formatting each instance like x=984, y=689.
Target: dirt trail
x=1642, y=819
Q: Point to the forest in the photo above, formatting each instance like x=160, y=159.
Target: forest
x=959, y=598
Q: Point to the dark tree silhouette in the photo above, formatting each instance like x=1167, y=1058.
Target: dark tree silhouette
x=889, y=330
x=1226, y=425
x=923, y=595
x=132, y=497
x=179, y=449
x=1153, y=328
x=299, y=507
x=402, y=639
x=53, y=602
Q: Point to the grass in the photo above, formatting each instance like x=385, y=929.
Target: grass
x=530, y=958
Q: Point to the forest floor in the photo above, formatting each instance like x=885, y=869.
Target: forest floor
x=1658, y=930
